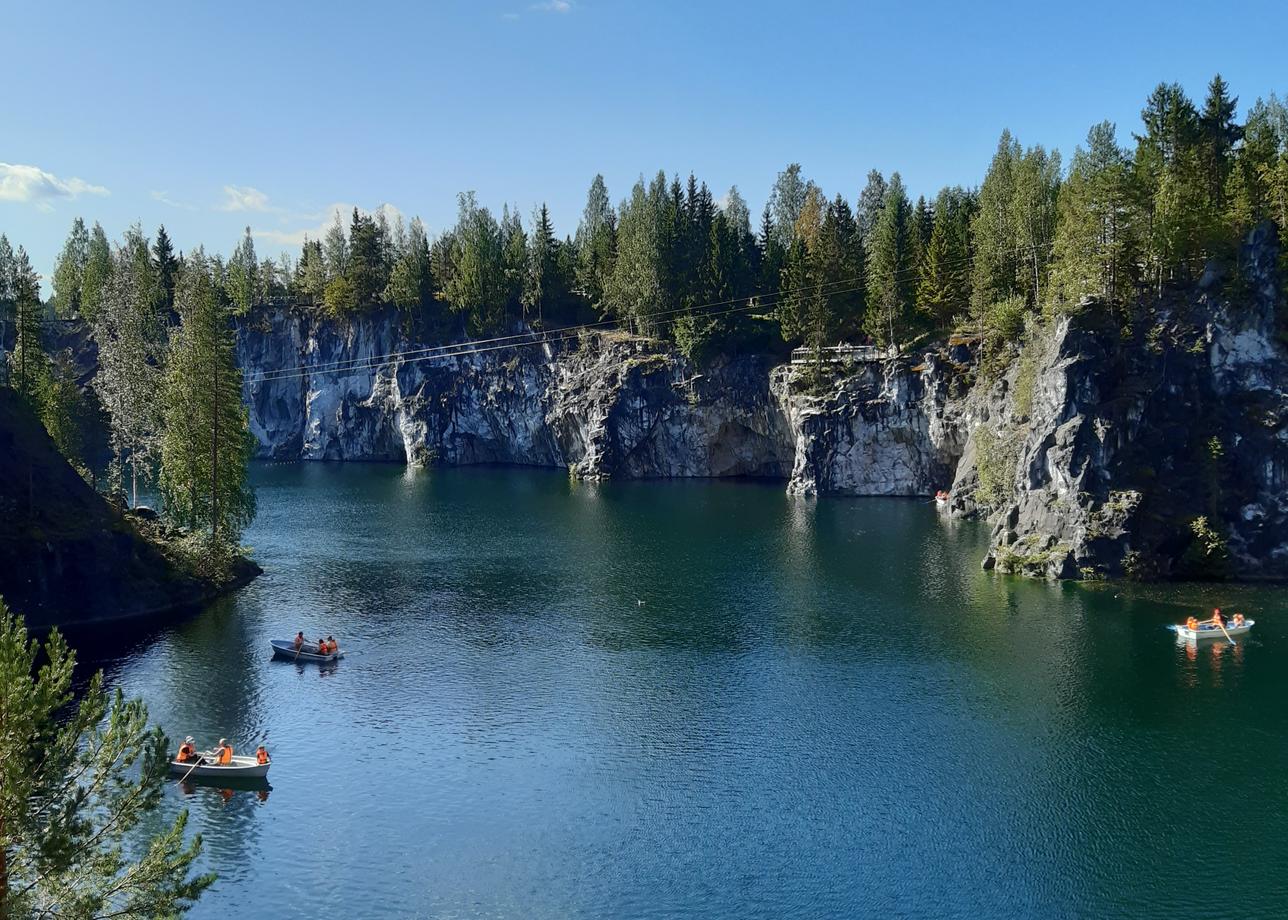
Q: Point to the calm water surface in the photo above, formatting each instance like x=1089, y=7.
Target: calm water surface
x=709, y=700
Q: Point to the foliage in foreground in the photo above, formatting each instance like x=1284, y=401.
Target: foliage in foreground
x=76, y=779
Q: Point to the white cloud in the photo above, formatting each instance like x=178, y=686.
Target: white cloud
x=325, y=219
x=244, y=198
x=553, y=6
x=164, y=198
x=33, y=184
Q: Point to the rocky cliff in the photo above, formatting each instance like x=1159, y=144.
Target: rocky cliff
x=1155, y=446
x=600, y=405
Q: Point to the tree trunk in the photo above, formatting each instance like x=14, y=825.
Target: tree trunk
x=4, y=875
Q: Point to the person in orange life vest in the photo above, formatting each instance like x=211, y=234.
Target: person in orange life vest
x=186, y=750
x=299, y=639
x=261, y=755
x=224, y=754
x=322, y=650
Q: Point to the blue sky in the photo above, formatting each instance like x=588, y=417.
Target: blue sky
x=211, y=117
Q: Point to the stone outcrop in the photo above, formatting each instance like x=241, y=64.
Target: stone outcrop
x=1159, y=451
x=601, y=406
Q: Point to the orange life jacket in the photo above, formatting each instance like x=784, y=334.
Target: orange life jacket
x=261, y=756
x=1192, y=623
x=226, y=754
x=185, y=752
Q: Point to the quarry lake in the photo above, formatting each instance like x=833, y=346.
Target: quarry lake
x=709, y=699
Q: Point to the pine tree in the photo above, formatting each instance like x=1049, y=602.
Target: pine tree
x=514, y=264
x=596, y=245
x=543, y=288
x=890, y=278
x=69, y=273
x=366, y=263
x=336, y=249
x=207, y=445
x=411, y=283
x=943, y=285
x=636, y=287
x=166, y=265
x=1097, y=244
x=80, y=772
x=871, y=200
x=1220, y=133
x=310, y=271
x=243, y=275
x=28, y=370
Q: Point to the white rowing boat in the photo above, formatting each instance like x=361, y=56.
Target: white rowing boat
x=240, y=768
x=1208, y=631
x=285, y=648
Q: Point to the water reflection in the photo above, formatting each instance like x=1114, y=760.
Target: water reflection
x=708, y=700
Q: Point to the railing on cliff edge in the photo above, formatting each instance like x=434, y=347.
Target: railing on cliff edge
x=843, y=353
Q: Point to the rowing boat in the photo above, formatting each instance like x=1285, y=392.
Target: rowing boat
x=1209, y=631
x=285, y=648
x=240, y=768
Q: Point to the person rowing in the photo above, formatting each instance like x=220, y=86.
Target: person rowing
x=299, y=640
x=1217, y=619
x=187, y=750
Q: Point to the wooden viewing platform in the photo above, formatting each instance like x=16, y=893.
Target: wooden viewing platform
x=835, y=353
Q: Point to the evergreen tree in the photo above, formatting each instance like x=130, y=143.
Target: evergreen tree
x=871, y=200
x=69, y=273
x=889, y=264
x=943, y=285
x=772, y=257
x=167, y=266
x=80, y=772
x=310, y=271
x=7, y=271
x=636, y=287
x=514, y=264
x=243, y=275
x=1219, y=133
x=1097, y=246
x=207, y=445
x=544, y=288
x=366, y=259
x=737, y=214
x=336, y=249
x=411, y=284
x=28, y=372
x=596, y=245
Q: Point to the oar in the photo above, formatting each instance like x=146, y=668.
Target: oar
x=194, y=766
x=1227, y=635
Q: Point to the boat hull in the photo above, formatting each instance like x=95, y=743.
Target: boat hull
x=240, y=768
x=1203, y=633
x=285, y=648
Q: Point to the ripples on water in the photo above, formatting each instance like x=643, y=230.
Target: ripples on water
x=707, y=700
